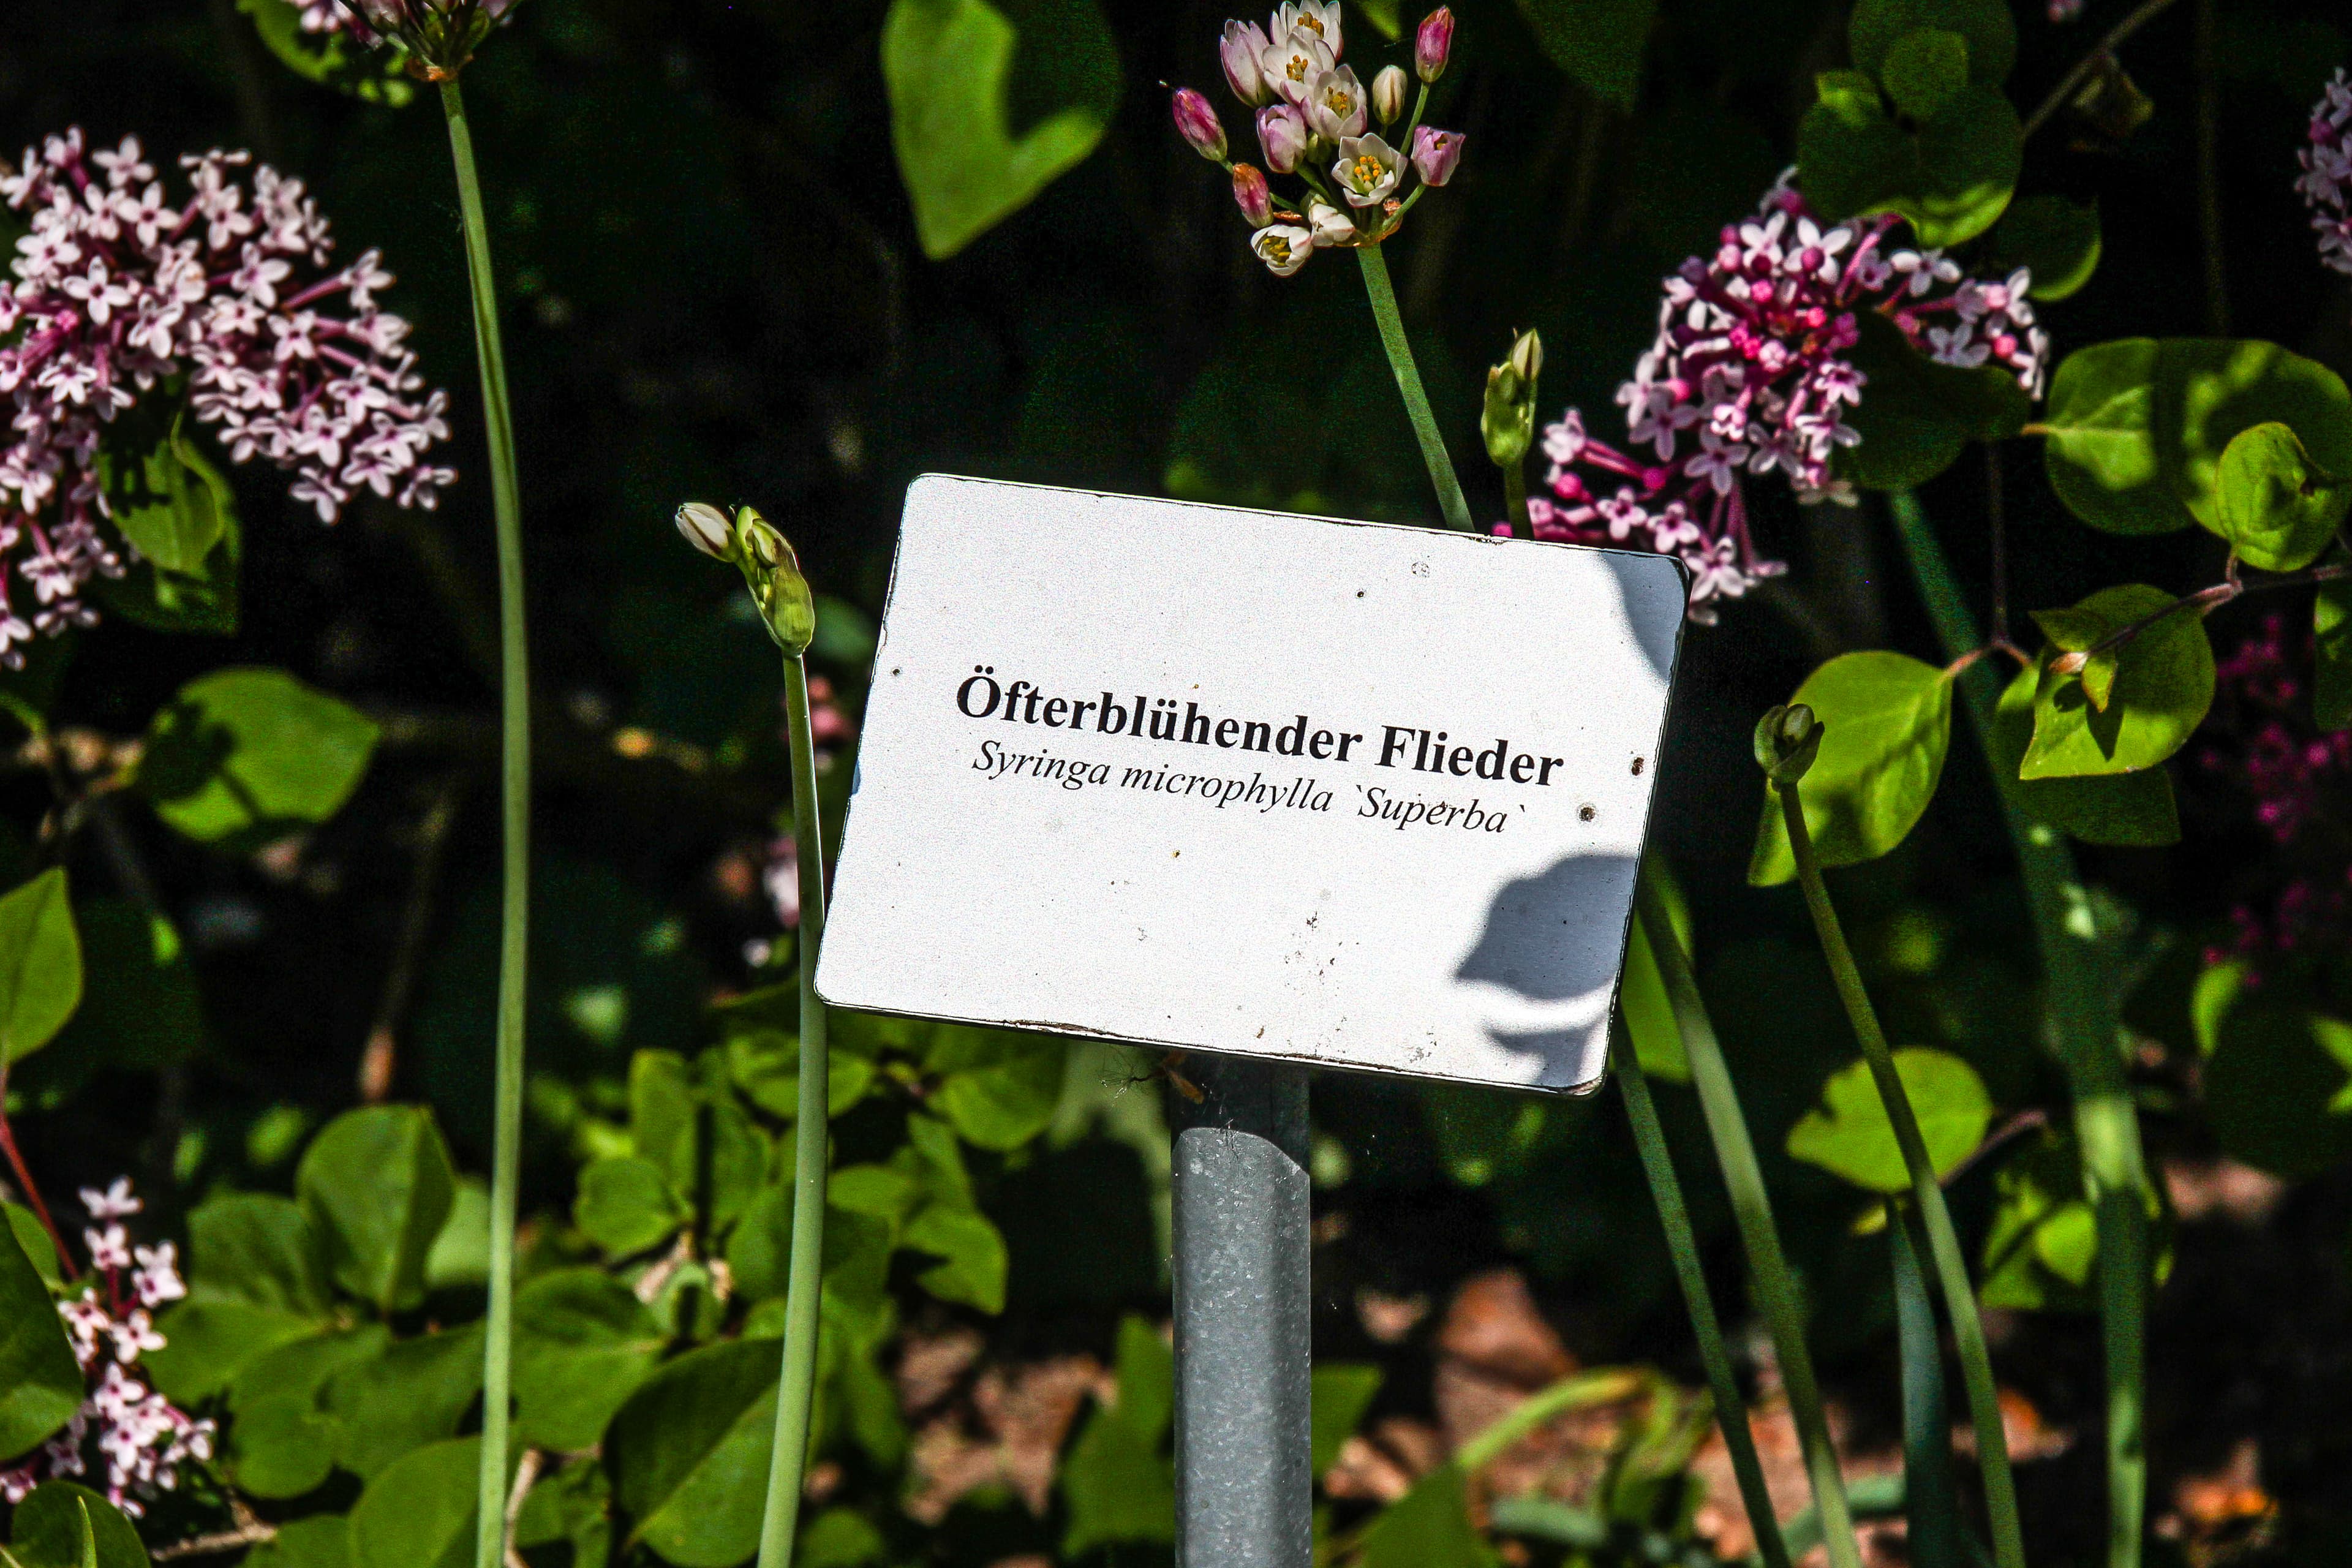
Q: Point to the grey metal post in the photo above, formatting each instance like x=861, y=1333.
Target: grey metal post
x=1243, y=1491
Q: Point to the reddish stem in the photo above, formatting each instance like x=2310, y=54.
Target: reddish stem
x=25, y=1182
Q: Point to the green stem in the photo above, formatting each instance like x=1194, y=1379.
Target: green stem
x=804, y=1283
x=1408, y=379
x=514, y=791
x=1929, y=1498
x=2082, y=1026
x=1674, y=1217
x=1751, y=1208
x=1943, y=1240
x=1514, y=496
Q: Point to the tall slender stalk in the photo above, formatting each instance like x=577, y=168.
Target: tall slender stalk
x=804, y=1283
x=514, y=791
x=1930, y=1499
x=1408, y=379
x=1751, y=1207
x=2080, y=1013
x=1674, y=1217
x=1943, y=1240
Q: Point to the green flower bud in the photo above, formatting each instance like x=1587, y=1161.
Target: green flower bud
x=773, y=575
x=1787, y=740
x=1508, y=419
x=705, y=528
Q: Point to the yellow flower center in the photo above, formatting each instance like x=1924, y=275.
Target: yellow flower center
x=1278, y=249
x=1295, y=68
x=1368, y=170
x=1341, y=102
x=1310, y=24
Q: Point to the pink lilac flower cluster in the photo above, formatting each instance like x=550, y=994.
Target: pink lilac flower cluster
x=142, y=1437
x=121, y=293
x=2327, y=182
x=1316, y=119
x=1748, y=375
x=2299, y=783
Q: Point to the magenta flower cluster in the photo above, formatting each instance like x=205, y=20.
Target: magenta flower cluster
x=140, y=1438
x=2298, y=782
x=2327, y=182
x=1749, y=375
x=1316, y=119
x=121, y=293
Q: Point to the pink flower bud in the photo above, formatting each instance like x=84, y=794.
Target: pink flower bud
x=1387, y=94
x=1196, y=122
x=1252, y=197
x=1282, y=136
x=1431, y=43
x=1238, y=51
x=1435, y=154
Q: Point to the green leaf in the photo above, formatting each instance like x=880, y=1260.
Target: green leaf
x=279, y=1446
x=207, y=1342
x=1886, y=721
x=40, y=964
x=175, y=507
x=419, y=1513
x=168, y=500
x=413, y=1394
x=583, y=1344
x=1649, y=1012
x=320, y=1541
x=626, y=1205
x=149, y=1015
x=1339, y=1393
x=2043, y=1239
x=999, y=1089
x=2136, y=428
x=1924, y=69
x=765, y=1064
x=258, y=1250
x=2054, y=239
x=35, y=1239
x=972, y=1254
x=1118, y=1484
x=460, y=1255
x=688, y=1453
x=2277, y=1089
x=1918, y=413
x=1599, y=42
x=1429, y=1527
x=1878, y=29
x=2155, y=688
x=62, y=1525
x=245, y=755
x=2274, y=506
x=377, y=1186
x=1850, y=1135
x=2131, y=809
x=2331, y=627
x=40, y=1381
x=840, y=1538
x=1950, y=176
x=951, y=71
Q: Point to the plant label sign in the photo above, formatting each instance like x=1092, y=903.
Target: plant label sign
x=1345, y=793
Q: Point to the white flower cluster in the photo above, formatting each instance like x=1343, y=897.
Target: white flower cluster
x=2327, y=182
x=142, y=1437
x=120, y=292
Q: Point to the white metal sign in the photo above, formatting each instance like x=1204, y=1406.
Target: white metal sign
x=1351, y=793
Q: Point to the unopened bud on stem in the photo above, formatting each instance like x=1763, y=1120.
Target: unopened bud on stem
x=1251, y=194
x=773, y=575
x=1387, y=94
x=1432, y=42
x=1196, y=122
x=1787, y=740
x=705, y=528
x=1508, y=422
x=1526, y=357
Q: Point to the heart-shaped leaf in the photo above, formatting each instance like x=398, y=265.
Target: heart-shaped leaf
x=376, y=1184
x=242, y=754
x=2276, y=507
x=1950, y=176
x=2135, y=809
x=949, y=68
x=40, y=964
x=688, y=1453
x=1878, y=29
x=2051, y=238
x=1850, y=1134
